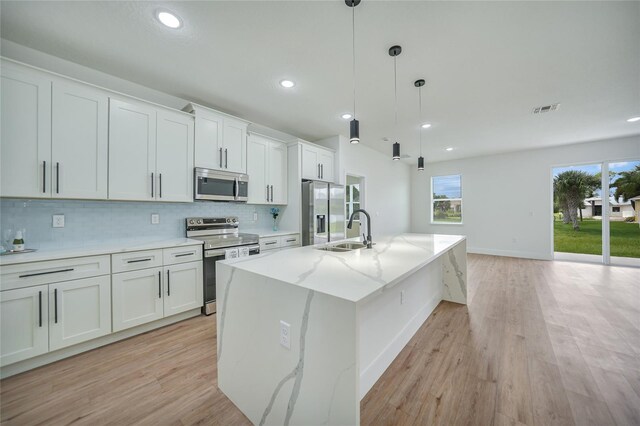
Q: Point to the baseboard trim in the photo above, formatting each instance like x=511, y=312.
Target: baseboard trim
x=509, y=253
x=48, y=358
x=374, y=371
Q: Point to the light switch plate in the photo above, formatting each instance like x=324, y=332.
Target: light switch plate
x=155, y=219
x=255, y=216
x=58, y=221
x=285, y=339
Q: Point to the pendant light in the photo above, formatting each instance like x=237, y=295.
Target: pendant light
x=419, y=84
x=394, y=51
x=354, y=127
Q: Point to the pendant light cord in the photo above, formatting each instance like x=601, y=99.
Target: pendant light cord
x=353, y=28
x=420, y=118
x=395, y=89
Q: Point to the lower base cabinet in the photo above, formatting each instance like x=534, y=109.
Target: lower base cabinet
x=24, y=323
x=147, y=295
x=79, y=310
x=36, y=320
x=137, y=298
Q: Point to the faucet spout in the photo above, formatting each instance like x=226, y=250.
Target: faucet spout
x=368, y=240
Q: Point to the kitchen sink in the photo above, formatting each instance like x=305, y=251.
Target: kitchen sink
x=343, y=247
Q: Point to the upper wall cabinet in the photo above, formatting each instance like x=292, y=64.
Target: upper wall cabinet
x=317, y=163
x=267, y=170
x=220, y=140
x=150, y=153
x=25, y=152
x=54, y=136
x=79, y=143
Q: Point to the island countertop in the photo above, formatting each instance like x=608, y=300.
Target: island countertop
x=353, y=275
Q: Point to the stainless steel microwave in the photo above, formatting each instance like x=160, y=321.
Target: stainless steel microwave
x=214, y=185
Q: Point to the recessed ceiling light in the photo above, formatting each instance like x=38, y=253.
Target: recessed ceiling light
x=426, y=125
x=448, y=149
x=346, y=116
x=287, y=83
x=633, y=119
x=169, y=19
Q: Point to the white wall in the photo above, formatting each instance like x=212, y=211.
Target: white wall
x=387, y=193
x=507, y=198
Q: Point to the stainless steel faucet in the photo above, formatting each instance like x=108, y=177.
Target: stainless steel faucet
x=367, y=239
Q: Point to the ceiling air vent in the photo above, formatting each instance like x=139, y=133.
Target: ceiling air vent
x=546, y=108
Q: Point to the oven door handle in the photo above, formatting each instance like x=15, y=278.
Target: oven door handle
x=235, y=188
x=214, y=253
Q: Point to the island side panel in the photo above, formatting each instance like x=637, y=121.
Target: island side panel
x=454, y=273
x=314, y=382
x=389, y=319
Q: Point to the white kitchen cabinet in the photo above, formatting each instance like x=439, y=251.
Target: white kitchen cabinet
x=174, y=161
x=25, y=160
x=24, y=324
x=235, y=145
x=317, y=163
x=137, y=298
x=79, y=144
x=183, y=287
x=79, y=310
x=267, y=170
x=132, y=151
x=220, y=140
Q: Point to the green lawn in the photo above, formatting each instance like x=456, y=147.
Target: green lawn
x=625, y=238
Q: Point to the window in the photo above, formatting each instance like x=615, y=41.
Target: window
x=353, y=200
x=446, y=199
x=616, y=209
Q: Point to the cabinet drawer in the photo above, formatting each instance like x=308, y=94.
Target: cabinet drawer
x=132, y=261
x=53, y=271
x=175, y=255
x=290, y=240
x=269, y=243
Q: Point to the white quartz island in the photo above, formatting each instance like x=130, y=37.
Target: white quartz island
x=349, y=314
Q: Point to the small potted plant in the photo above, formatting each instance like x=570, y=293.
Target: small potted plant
x=275, y=212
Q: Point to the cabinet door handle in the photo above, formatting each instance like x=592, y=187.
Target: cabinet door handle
x=226, y=158
x=185, y=254
x=168, y=283
x=160, y=186
x=57, y=178
x=267, y=193
x=272, y=193
x=159, y=285
x=322, y=171
x=270, y=243
x=40, y=309
x=318, y=170
x=291, y=240
x=220, y=157
x=152, y=181
x=55, y=305
x=44, y=176
x=35, y=274
x=139, y=260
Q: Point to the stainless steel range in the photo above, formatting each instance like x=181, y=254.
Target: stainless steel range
x=221, y=238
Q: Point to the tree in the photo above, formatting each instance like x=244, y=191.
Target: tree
x=570, y=188
x=627, y=184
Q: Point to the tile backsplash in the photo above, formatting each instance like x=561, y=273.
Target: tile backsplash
x=88, y=222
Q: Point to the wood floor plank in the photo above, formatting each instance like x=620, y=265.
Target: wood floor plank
x=540, y=343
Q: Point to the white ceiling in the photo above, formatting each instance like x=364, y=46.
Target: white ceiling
x=487, y=64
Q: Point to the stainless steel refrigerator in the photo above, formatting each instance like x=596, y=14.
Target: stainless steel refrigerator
x=323, y=212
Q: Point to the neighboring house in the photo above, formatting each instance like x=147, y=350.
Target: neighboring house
x=635, y=202
x=620, y=209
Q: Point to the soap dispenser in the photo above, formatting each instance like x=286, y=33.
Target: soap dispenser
x=18, y=242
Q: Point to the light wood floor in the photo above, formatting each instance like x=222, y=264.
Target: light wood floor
x=540, y=343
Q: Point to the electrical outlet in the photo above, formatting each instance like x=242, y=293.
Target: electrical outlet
x=401, y=297
x=284, y=335
x=255, y=216
x=155, y=219
x=58, y=221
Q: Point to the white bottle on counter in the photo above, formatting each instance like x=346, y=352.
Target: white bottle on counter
x=18, y=242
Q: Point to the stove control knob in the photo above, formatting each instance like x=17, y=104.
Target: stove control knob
x=199, y=221
x=191, y=222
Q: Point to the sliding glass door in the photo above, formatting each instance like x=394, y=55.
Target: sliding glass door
x=596, y=212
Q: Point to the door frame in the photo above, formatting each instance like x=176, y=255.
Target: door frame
x=363, y=192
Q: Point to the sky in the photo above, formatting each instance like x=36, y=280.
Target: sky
x=447, y=185
x=617, y=167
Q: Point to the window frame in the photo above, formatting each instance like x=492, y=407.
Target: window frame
x=433, y=200
x=350, y=203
